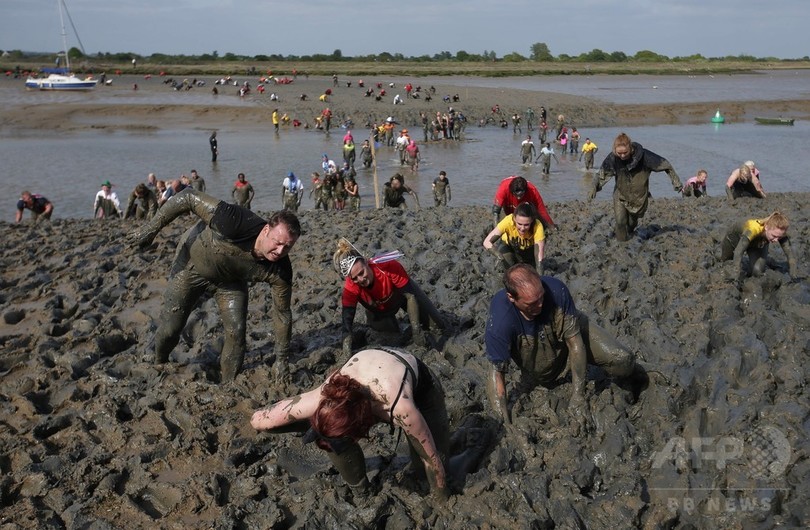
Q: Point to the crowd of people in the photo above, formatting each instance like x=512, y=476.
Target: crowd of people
x=533, y=321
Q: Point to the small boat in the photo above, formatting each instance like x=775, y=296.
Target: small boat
x=718, y=118
x=61, y=78
x=774, y=121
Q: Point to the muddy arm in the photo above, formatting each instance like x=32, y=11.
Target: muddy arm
x=347, y=317
x=739, y=250
x=286, y=415
x=785, y=244
x=579, y=364
x=408, y=417
x=496, y=392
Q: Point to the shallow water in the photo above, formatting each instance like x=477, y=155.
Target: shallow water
x=68, y=169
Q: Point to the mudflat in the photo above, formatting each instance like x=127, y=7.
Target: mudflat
x=95, y=435
x=227, y=110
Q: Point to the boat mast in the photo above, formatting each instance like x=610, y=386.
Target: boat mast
x=64, y=35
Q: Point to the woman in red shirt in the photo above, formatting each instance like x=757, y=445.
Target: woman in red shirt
x=383, y=287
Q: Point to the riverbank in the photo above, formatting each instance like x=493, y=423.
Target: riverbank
x=94, y=434
x=420, y=68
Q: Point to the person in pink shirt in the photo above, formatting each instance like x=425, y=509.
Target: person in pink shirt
x=696, y=185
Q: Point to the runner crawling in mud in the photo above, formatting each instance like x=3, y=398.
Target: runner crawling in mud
x=228, y=248
x=534, y=322
x=518, y=238
x=631, y=165
x=753, y=237
x=374, y=386
x=514, y=190
x=383, y=287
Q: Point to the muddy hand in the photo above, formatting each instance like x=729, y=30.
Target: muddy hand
x=580, y=415
x=142, y=237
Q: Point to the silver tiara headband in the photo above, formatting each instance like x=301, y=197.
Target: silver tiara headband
x=347, y=263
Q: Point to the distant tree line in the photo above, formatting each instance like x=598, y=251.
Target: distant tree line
x=538, y=52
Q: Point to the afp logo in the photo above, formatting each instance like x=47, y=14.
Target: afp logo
x=765, y=452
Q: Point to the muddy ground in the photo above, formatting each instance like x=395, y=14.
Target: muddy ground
x=94, y=435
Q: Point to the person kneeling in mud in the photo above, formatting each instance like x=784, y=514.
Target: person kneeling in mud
x=534, y=322
x=374, y=386
x=518, y=238
x=753, y=237
x=383, y=287
x=228, y=248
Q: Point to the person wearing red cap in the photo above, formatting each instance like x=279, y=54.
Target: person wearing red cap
x=515, y=190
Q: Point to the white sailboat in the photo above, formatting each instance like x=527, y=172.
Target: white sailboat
x=61, y=78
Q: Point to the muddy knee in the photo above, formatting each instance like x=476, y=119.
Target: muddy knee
x=758, y=267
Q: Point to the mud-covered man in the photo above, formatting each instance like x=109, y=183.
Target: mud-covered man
x=142, y=203
x=394, y=193
x=441, y=189
x=242, y=191
x=228, y=248
x=40, y=206
x=534, y=322
x=631, y=165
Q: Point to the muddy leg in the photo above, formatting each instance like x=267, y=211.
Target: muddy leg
x=232, y=300
x=179, y=300
x=351, y=464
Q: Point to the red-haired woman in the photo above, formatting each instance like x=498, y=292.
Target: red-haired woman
x=374, y=386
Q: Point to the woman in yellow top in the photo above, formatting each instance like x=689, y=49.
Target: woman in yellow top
x=753, y=237
x=519, y=238
x=275, y=119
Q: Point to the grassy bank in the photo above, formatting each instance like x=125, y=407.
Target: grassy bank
x=422, y=69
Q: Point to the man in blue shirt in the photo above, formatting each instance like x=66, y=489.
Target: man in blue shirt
x=40, y=206
x=534, y=322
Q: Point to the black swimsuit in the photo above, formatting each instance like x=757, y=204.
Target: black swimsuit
x=423, y=382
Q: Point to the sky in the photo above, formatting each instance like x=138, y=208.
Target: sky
x=712, y=28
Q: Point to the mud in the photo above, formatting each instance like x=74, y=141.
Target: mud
x=94, y=435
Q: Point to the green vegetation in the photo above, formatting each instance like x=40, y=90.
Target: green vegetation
x=539, y=62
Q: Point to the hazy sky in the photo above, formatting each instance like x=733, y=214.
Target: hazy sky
x=713, y=28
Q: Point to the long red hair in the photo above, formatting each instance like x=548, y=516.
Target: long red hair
x=344, y=410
